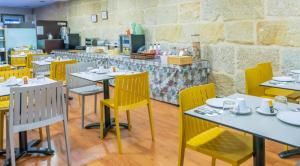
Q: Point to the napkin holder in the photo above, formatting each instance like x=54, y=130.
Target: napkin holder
x=180, y=60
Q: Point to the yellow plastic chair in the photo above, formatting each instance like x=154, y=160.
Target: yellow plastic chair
x=131, y=92
x=18, y=62
x=206, y=137
x=5, y=68
x=266, y=72
x=29, y=59
x=253, y=81
x=4, y=101
x=58, y=69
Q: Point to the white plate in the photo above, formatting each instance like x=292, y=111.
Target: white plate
x=295, y=71
x=289, y=117
x=118, y=73
x=257, y=109
x=217, y=102
x=283, y=79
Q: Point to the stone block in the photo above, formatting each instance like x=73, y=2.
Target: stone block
x=283, y=8
x=290, y=59
x=170, y=33
x=222, y=58
x=224, y=83
x=250, y=56
x=189, y=12
x=239, y=31
x=161, y=15
x=286, y=33
x=232, y=9
x=209, y=32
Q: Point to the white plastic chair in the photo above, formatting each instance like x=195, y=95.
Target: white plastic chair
x=36, y=107
x=81, y=87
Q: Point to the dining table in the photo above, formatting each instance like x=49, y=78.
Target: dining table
x=103, y=78
x=26, y=147
x=291, y=85
x=260, y=126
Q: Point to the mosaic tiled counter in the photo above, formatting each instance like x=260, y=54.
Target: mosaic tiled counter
x=165, y=80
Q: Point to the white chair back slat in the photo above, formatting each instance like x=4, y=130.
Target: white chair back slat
x=31, y=105
x=15, y=105
x=36, y=103
x=24, y=106
x=75, y=82
x=42, y=107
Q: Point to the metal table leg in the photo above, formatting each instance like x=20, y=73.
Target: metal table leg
x=289, y=153
x=109, y=122
x=27, y=148
x=258, y=151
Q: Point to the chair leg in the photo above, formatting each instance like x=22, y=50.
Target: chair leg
x=67, y=101
x=118, y=131
x=67, y=141
x=41, y=134
x=128, y=120
x=182, y=146
x=213, y=161
x=101, y=121
x=11, y=147
x=95, y=104
x=151, y=121
x=82, y=112
x=48, y=137
x=2, y=114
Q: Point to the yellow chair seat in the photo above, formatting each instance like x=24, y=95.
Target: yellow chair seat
x=278, y=92
x=109, y=102
x=4, y=105
x=222, y=144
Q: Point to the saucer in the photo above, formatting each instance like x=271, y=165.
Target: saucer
x=243, y=113
x=257, y=109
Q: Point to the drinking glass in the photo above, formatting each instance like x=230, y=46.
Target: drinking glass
x=229, y=106
x=283, y=102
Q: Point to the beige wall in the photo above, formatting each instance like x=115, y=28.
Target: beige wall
x=56, y=11
x=235, y=34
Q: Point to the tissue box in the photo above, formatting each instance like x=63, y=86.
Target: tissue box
x=180, y=60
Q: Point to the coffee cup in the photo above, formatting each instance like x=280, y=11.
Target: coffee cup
x=264, y=105
x=241, y=105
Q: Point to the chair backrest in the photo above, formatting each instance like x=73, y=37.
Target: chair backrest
x=36, y=105
x=132, y=90
x=75, y=82
x=18, y=61
x=16, y=73
x=265, y=70
x=29, y=59
x=5, y=68
x=58, y=69
x=191, y=98
x=253, y=81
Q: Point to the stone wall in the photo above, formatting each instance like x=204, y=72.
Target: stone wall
x=235, y=34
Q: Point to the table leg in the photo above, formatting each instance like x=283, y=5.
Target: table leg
x=258, y=151
x=27, y=148
x=289, y=153
x=109, y=123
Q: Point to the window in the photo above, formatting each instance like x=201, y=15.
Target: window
x=12, y=19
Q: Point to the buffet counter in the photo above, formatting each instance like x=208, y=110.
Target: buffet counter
x=165, y=80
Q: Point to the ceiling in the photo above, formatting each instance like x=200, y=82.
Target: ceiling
x=26, y=3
